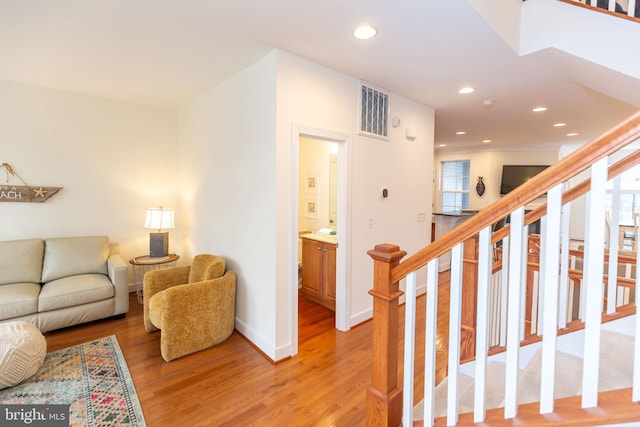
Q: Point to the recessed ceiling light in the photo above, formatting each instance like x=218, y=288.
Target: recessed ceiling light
x=539, y=109
x=572, y=134
x=365, y=32
x=559, y=125
x=467, y=89
x=486, y=141
x=442, y=145
x=460, y=132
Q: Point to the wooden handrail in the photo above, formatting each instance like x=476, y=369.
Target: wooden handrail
x=606, y=144
x=601, y=10
x=573, y=193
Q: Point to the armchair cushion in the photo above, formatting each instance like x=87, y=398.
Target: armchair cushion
x=191, y=316
x=185, y=306
x=206, y=267
x=157, y=281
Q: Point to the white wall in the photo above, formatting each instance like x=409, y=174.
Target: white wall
x=227, y=152
x=114, y=160
x=566, y=27
x=312, y=95
x=504, y=18
x=488, y=164
x=236, y=152
x=536, y=25
x=225, y=163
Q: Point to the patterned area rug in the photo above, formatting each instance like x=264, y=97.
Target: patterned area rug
x=92, y=378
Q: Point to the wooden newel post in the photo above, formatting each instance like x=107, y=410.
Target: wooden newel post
x=384, y=397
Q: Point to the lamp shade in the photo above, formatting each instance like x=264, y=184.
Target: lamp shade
x=159, y=219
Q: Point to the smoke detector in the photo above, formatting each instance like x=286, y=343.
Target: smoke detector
x=487, y=103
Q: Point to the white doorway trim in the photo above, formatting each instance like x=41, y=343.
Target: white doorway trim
x=343, y=253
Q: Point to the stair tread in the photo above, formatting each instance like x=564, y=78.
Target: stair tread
x=616, y=371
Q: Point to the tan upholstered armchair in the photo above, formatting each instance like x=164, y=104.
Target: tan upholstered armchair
x=194, y=306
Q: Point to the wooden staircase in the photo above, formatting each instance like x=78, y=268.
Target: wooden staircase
x=390, y=399
x=616, y=373
x=614, y=407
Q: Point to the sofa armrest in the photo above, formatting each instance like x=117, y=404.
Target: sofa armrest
x=158, y=280
x=118, y=272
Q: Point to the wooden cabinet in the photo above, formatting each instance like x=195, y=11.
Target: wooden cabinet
x=319, y=272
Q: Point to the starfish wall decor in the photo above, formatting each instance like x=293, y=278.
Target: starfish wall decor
x=23, y=193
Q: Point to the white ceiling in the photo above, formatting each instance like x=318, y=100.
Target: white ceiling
x=166, y=52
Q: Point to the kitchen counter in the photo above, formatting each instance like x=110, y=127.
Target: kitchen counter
x=457, y=213
x=445, y=221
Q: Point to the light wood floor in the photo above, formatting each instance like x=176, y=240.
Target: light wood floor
x=232, y=384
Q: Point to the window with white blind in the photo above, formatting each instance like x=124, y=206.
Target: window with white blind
x=454, y=185
x=629, y=195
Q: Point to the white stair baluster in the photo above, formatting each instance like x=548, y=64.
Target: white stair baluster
x=482, y=323
x=409, y=348
x=504, y=291
x=549, y=304
x=614, y=226
x=564, y=267
x=431, y=317
x=592, y=282
x=514, y=324
x=455, y=320
x=582, y=299
x=539, y=278
x=631, y=7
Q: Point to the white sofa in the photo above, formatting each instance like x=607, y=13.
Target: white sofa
x=59, y=282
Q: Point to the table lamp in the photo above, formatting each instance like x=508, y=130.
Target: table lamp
x=159, y=219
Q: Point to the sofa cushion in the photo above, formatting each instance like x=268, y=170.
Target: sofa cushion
x=21, y=261
x=74, y=290
x=18, y=299
x=69, y=256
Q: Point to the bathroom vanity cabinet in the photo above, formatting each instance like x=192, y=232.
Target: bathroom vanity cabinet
x=319, y=269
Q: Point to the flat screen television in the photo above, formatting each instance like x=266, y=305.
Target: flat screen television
x=515, y=175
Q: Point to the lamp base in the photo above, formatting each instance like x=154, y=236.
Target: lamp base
x=158, y=244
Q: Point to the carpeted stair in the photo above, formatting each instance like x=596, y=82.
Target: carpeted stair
x=616, y=371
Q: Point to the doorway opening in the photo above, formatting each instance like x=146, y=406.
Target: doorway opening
x=320, y=206
x=317, y=231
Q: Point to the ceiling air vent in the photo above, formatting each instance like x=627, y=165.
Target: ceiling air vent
x=374, y=112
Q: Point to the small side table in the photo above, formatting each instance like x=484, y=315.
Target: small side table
x=144, y=263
